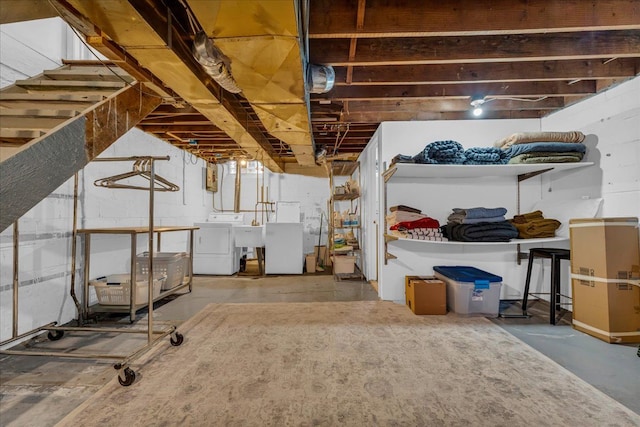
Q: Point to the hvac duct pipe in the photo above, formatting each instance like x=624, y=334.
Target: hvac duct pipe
x=321, y=78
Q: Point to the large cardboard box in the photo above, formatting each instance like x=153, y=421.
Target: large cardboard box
x=604, y=247
x=426, y=295
x=605, y=271
x=608, y=311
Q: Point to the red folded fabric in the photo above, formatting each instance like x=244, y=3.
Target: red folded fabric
x=419, y=223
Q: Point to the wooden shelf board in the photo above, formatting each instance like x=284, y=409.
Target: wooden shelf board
x=513, y=242
x=422, y=171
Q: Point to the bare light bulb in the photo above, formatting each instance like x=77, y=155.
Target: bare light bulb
x=476, y=103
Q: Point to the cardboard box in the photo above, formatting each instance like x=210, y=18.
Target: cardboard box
x=608, y=311
x=310, y=260
x=604, y=247
x=344, y=264
x=426, y=295
x=605, y=264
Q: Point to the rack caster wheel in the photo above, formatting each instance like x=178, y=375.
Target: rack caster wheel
x=129, y=377
x=55, y=335
x=178, y=339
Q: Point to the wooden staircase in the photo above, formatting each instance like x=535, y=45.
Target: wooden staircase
x=53, y=124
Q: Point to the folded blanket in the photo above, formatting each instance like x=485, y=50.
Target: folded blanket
x=420, y=223
x=401, y=158
x=402, y=216
x=546, y=158
x=441, y=152
x=556, y=147
x=404, y=208
x=485, y=156
x=460, y=219
x=482, y=232
x=530, y=216
x=526, y=137
x=480, y=212
x=537, y=228
x=408, y=235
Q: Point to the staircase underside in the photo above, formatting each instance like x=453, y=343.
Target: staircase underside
x=55, y=123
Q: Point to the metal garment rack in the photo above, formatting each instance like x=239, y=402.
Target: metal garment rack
x=126, y=376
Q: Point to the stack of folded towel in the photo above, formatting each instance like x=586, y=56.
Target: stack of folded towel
x=543, y=147
x=479, y=225
x=409, y=223
x=533, y=225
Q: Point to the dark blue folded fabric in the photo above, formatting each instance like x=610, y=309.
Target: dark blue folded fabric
x=401, y=158
x=486, y=156
x=481, y=232
x=480, y=212
x=441, y=152
x=558, y=147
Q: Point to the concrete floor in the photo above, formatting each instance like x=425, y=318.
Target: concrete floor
x=40, y=391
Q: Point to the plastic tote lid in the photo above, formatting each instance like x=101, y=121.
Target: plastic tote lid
x=478, y=277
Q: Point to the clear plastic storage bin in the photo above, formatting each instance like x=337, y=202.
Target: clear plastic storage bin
x=173, y=265
x=471, y=291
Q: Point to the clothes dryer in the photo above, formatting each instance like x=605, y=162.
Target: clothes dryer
x=214, y=248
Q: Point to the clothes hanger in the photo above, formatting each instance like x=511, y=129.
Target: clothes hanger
x=142, y=168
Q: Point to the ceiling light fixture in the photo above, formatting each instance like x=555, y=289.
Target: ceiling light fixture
x=476, y=103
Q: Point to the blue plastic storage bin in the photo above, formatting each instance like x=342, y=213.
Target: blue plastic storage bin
x=471, y=291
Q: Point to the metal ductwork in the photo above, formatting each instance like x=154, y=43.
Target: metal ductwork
x=320, y=78
x=262, y=41
x=214, y=62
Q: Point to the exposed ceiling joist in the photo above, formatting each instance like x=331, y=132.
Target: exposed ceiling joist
x=428, y=18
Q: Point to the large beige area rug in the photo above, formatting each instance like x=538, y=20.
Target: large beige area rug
x=346, y=363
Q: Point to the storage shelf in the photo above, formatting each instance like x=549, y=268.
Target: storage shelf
x=513, y=242
x=422, y=171
x=347, y=196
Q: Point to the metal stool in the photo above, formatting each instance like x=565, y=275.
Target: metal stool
x=556, y=255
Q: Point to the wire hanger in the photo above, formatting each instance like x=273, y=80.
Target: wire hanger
x=142, y=168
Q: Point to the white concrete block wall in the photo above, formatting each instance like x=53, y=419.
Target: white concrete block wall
x=25, y=52
x=612, y=122
x=313, y=195
x=45, y=243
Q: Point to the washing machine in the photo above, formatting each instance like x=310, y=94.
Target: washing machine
x=214, y=248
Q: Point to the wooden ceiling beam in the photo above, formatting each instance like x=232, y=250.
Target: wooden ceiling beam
x=179, y=128
x=492, y=72
x=508, y=48
x=337, y=19
x=394, y=92
x=377, y=117
x=443, y=105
